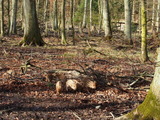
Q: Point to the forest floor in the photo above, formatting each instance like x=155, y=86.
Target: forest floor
x=28, y=97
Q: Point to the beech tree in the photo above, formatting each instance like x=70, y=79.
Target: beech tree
x=63, y=32
x=158, y=16
x=32, y=34
x=153, y=14
x=1, y=17
x=46, y=3
x=55, y=15
x=90, y=15
x=144, y=52
x=150, y=108
x=72, y=24
x=12, y=29
x=106, y=20
x=85, y=14
x=8, y=15
x=127, y=30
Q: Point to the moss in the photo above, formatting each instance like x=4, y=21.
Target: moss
x=148, y=110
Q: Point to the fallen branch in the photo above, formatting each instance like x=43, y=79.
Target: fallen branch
x=27, y=65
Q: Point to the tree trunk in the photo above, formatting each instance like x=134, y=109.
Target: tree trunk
x=8, y=14
x=144, y=52
x=37, y=6
x=153, y=15
x=150, y=108
x=106, y=20
x=85, y=14
x=90, y=16
x=32, y=34
x=13, y=21
x=72, y=23
x=133, y=10
x=158, y=16
x=100, y=8
x=63, y=32
x=127, y=30
x=139, y=19
x=1, y=17
x=55, y=15
x=45, y=16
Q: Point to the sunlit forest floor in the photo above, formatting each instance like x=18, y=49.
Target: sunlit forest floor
x=123, y=78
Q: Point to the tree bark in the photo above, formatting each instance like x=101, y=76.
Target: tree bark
x=153, y=15
x=63, y=32
x=100, y=8
x=128, y=23
x=13, y=21
x=8, y=14
x=90, y=15
x=85, y=14
x=144, y=51
x=72, y=18
x=55, y=15
x=32, y=34
x=150, y=108
x=106, y=20
x=158, y=16
x=1, y=18
x=45, y=16
x=37, y=7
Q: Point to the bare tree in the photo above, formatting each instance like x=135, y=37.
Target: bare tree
x=106, y=20
x=13, y=21
x=63, y=32
x=127, y=30
x=32, y=34
x=72, y=23
x=158, y=16
x=1, y=17
x=55, y=15
x=85, y=14
x=144, y=52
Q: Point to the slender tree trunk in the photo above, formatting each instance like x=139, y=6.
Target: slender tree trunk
x=13, y=21
x=63, y=32
x=139, y=18
x=1, y=17
x=55, y=15
x=133, y=10
x=22, y=17
x=100, y=13
x=153, y=15
x=150, y=108
x=32, y=34
x=158, y=17
x=144, y=31
x=127, y=30
x=85, y=14
x=8, y=14
x=90, y=18
x=37, y=7
x=106, y=20
x=72, y=23
x=45, y=16
x=45, y=9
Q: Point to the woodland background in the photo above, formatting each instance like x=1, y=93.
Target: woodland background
x=116, y=59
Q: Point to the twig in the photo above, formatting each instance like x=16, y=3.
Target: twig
x=76, y=116
x=26, y=65
x=134, y=82
x=99, y=52
x=112, y=115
